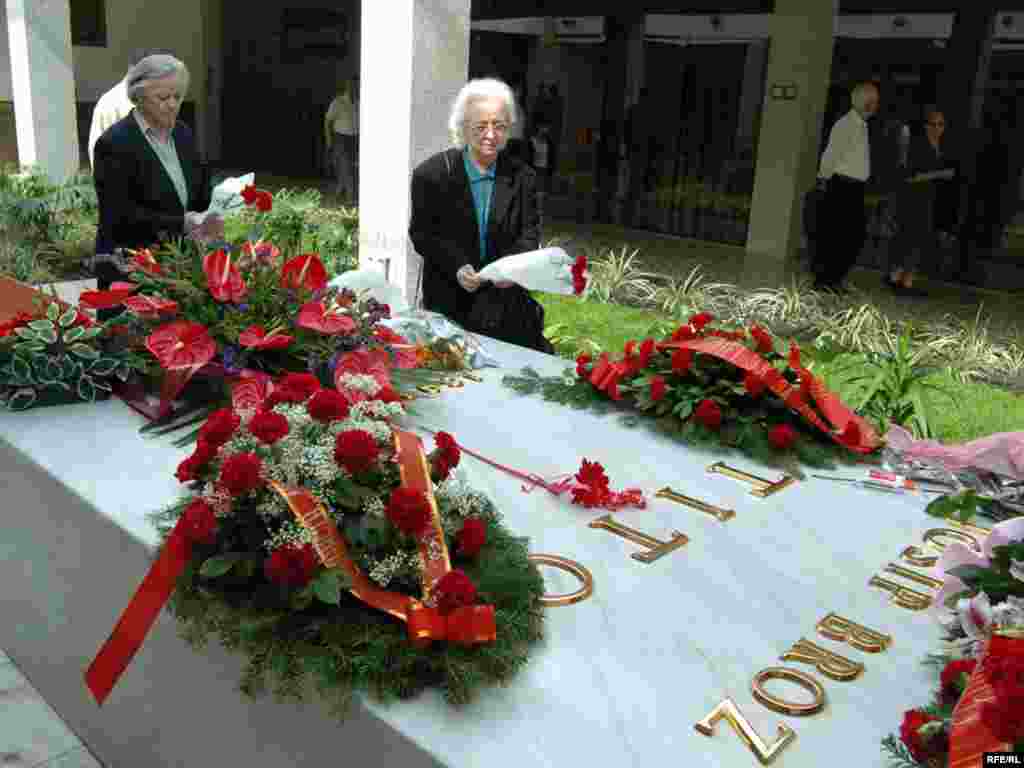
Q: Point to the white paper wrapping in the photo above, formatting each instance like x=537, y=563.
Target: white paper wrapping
x=548, y=270
x=227, y=196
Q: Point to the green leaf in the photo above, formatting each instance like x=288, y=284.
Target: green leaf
x=29, y=347
x=22, y=399
x=21, y=368
x=41, y=325
x=68, y=318
x=328, y=585
x=74, y=334
x=25, y=333
x=970, y=575
x=943, y=507
x=219, y=565
x=105, y=366
x=85, y=352
x=92, y=333
x=301, y=600
x=86, y=389
x=72, y=368
x=53, y=311
x=53, y=371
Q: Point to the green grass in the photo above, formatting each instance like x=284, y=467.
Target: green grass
x=981, y=409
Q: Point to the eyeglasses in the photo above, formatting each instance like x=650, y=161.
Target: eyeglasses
x=481, y=129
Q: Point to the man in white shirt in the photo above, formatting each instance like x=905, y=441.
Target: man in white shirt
x=114, y=104
x=844, y=171
x=341, y=131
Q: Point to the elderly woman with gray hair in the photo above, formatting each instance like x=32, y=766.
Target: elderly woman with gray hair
x=148, y=175
x=473, y=204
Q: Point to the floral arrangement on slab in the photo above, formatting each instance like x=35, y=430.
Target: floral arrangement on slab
x=418, y=584
x=981, y=607
x=713, y=386
x=58, y=354
x=247, y=307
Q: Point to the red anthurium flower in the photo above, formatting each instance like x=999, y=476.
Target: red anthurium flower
x=150, y=306
x=701, y=319
x=404, y=353
x=782, y=436
x=682, y=359
x=145, y=260
x=762, y=339
x=683, y=333
x=579, y=275
x=794, y=357
x=582, y=363
x=255, y=337
x=264, y=201
x=112, y=297
x=305, y=271
x=629, y=349
x=754, y=384
x=329, y=320
x=252, y=391
x=223, y=278
x=364, y=362
x=181, y=344
x=646, y=350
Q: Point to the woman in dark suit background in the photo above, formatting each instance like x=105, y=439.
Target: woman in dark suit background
x=473, y=204
x=148, y=175
x=916, y=202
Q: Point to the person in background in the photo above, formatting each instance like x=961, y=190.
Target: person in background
x=540, y=154
x=114, y=104
x=915, y=203
x=844, y=170
x=517, y=131
x=341, y=131
x=473, y=204
x=149, y=180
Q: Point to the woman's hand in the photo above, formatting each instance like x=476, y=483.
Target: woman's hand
x=468, y=278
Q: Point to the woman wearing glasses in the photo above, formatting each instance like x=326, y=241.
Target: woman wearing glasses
x=915, y=202
x=473, y=204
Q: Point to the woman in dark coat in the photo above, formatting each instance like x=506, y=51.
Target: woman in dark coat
x=148, y=175
x=473, y=204
x=915, y=203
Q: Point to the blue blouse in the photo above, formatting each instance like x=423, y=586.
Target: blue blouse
x=481, y=183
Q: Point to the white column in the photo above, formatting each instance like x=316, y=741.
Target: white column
x=414, y=63
x=799, y=65
x=45, y=115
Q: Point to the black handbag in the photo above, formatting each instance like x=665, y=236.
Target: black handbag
x=511, y=315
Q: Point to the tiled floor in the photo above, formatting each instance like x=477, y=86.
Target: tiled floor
x=31, y=733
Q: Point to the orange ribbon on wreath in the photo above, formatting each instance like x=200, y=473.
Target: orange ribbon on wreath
x=866, y=439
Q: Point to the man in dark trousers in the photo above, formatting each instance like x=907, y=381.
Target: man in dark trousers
x=844, y=172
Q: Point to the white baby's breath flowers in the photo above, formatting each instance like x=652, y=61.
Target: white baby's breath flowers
x=374, y=506
x=399, y=563
x=218, y=499
x=292, y=533
x=375, y=409
x=359, y=382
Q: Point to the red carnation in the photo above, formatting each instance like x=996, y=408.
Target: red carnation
x=581, y=366
x=268, y=427
x=328, y=405
x=762, y=339
x=409, y=511
x=292, y=566
x=684, y=333
x=445, y=442
x=782, y=436
x=219, y=427
x=658, y=388
x=305, y=384
x=355, y=450
x=709, y=414
x=794, y=357
x=241, y=473
x=199, y=523
x=682, y=359
x=454, y=590
x=919, y=747
x=387, y=394
x=646, y=350
x=851, y=434
x=701, y=319
x=439, y=468
x=472, y=537
x=188, y=470
x=954, y=674
x=754, y=384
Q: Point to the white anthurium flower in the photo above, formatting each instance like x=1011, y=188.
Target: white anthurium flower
x=1007, y=532
x=953, y=556
x=975, y=616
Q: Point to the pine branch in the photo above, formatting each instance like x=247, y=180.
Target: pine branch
x=899, y=755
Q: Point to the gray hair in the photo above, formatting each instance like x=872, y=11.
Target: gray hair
x=472, y=92
x=859, y=94
x=154, y=68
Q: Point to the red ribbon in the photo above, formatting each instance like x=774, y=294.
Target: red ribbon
x=831, y=406
x=970, y=737
x=467, y=625
x=137, y=619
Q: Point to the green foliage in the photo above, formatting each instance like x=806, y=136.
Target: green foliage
x=961, y=506
x=899, y=755
x=341, y=646
x=890, y=388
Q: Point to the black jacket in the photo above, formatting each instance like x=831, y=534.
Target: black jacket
x=443, y=226
x=138, y=204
